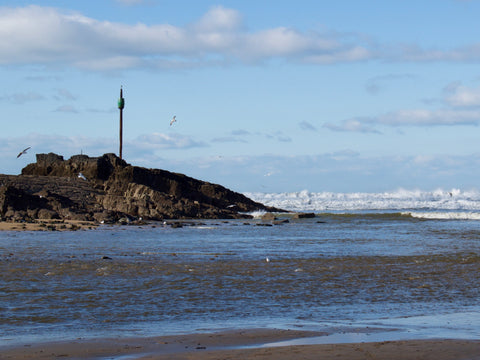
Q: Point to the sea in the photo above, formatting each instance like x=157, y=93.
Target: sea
x=367, y=266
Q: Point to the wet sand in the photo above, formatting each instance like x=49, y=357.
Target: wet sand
x=47, y=225
x=247, y=344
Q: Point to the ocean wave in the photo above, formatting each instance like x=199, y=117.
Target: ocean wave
x=446, y=215
x=454, y=200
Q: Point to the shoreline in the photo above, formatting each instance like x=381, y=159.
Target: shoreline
x=243, y=344
x=48, y=225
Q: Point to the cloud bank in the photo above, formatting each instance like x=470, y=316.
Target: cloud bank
x=264, y=173
x=45, y=35
x=461, y=106
x=50, y=36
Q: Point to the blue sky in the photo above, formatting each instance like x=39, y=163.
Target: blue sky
x=270, y=96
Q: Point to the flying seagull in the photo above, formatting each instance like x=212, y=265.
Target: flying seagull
x=173, y=120
x=81, y=176
x=24, y=151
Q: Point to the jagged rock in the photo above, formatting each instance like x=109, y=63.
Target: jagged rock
x=107, y=189
x=93, y=169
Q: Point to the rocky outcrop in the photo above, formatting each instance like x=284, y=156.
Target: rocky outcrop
x=106, y=189
x=16, y=204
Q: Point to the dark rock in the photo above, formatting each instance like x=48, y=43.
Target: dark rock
x=18, y=199
x=304, y=216
x=47, y=214
x=115, y=192
x=107, y=217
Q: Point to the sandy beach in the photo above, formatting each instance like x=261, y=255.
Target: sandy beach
x=47, y=225
x=246, y=344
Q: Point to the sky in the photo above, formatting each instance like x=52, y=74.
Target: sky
x=269, y=96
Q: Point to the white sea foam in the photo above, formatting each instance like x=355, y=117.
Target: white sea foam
x=448, y=201
x=445, y=215
x=257, y=214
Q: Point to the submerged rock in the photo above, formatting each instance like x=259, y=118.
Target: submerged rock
x=304, y=216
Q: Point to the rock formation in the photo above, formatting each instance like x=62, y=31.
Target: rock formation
x=106, y=189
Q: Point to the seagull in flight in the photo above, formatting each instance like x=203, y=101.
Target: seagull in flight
x=174, y=119
x=24, y=151
x=81, y=176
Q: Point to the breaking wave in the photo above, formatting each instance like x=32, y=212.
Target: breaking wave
x=413, y=201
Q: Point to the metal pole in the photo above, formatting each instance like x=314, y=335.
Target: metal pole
x=121, y=105
x=121, y=132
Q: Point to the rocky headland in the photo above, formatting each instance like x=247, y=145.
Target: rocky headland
x=106, y=189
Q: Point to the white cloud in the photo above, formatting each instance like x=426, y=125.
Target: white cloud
x=409, y=117
x=461, y=107
x=423, y=159
x=414, y=53
x=43, y=35
x=458, y=95
x=283, y=41
x=352, y=125
x=341, y=171
x=62, y=145
x=143, y=147
x=218, y=19
x=345, y=171
x=422, y=117
x=109, y=63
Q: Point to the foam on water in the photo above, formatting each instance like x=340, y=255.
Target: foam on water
x=446, y=215
x=257, y=214
x=442, y=201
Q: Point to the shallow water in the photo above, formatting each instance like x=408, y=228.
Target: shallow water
x=341, y=269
